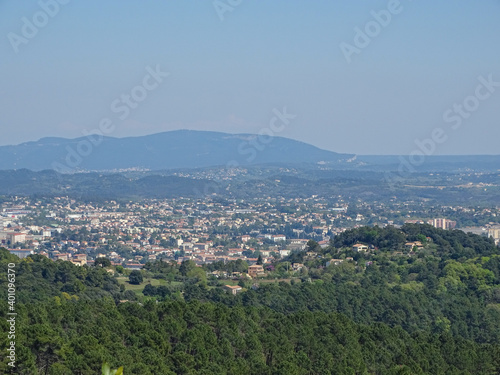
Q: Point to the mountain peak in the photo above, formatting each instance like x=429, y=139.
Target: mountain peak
x=167, y=150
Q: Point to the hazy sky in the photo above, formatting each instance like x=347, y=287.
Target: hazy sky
x=231, y=66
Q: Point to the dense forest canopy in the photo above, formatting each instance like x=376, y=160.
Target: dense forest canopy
x=391, y=310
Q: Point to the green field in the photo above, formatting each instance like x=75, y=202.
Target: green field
x=257, y=281
x=139, y=288
x=268, y=281
x=157, y=282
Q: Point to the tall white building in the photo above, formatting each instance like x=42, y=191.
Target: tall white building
x=442, y=223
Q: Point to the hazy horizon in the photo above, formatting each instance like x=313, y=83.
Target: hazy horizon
x=229, y=68
x=173, y=130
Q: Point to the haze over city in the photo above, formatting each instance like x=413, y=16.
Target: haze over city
x=361, y=77
x=248, y=187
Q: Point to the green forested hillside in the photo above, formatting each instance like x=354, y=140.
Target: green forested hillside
x=432, y=312
x=76, y=337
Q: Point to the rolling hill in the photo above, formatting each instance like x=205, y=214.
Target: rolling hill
x=168, y=150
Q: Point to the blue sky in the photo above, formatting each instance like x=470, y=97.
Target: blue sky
x=228, y=75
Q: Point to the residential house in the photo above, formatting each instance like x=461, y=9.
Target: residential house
x=411, y=245
x=285, y=253
x=233, y=289
x=335, y=262
x=256, y=270
x=279, y=237
x=297, y=266
x=21, y=253
x=359, y=247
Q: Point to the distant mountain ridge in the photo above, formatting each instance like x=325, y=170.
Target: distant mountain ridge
x=168, y=150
